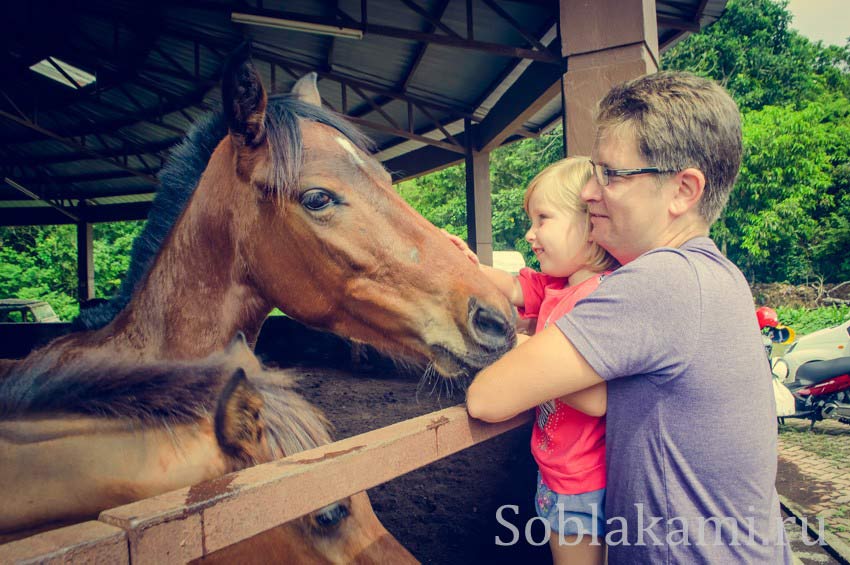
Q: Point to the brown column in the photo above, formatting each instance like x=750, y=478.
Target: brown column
x=479, y=213
x=85, y=262
x=606, y=42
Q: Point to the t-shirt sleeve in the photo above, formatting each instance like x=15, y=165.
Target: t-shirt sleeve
x=644, y=319
x=533, y=291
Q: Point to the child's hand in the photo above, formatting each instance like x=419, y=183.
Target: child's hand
x=461, y=244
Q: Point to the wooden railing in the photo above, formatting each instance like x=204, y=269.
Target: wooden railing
x=185, y=524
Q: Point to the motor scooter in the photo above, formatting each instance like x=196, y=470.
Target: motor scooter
x=821, y=389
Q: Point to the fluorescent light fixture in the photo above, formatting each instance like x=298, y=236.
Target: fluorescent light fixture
x=295, y=25
x=47, y=68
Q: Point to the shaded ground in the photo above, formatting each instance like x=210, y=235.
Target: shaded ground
x=446, y=512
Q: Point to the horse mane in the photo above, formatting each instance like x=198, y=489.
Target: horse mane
x=160, y=394
x=180, y=176
x=150, y=394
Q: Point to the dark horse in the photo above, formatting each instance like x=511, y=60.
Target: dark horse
x=277, y=203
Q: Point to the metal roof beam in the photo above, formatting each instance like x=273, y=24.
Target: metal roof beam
x=149, y=114
x=408, y=135
x=423, y=47
x=261, y=53
x=148, y=148
x=422, y=161
x=433, y=21
x=537, y=86
x=390, y=31
x=34, y=196
x=90, y=214
x=70, y=143
x=677, y=23
x=449, y=41
x=502, y=13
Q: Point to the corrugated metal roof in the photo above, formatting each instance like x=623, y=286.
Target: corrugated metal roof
x=157, y=65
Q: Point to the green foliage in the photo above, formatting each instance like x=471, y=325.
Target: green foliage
x=786, y=219
x=754, y=53
x=789, y=217
x=40, y=262
x=808, y=320
x=441, y=196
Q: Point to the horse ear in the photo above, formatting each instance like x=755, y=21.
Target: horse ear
x=307, y=91
x=239, y=425
x=244, y=98
x=239, y=343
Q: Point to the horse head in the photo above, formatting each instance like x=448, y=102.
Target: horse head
x=325, y=237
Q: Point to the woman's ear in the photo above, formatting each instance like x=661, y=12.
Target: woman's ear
x=689, y=191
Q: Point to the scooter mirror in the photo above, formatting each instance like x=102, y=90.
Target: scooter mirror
x=782, y=334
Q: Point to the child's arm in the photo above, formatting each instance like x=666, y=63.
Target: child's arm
x=507, y=284
x=592, y=401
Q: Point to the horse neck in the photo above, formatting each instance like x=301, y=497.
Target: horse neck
x=71, y=468
x=197, y=295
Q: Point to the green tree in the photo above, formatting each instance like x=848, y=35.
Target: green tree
x=773, y=224
x=40, y=262
x=753, y=52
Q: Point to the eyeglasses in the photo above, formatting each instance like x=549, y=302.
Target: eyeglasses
x=603, y=174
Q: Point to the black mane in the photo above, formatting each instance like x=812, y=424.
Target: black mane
x=159, y=394
x=180, y=176
x=98, y=385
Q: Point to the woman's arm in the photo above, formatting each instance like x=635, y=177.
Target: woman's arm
x=544, y=367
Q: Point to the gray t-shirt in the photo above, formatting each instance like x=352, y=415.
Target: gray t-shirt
x=691, y=426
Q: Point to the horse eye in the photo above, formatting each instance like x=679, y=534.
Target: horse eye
x=317, y=199
x=331, y=515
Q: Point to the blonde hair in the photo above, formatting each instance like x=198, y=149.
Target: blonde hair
x=560, y=185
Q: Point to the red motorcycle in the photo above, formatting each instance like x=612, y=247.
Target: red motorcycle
x=821, y=389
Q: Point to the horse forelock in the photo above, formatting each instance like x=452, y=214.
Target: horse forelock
x=292, y=423
x=189, y=159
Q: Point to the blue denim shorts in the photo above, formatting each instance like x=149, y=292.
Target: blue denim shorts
x=578, y=514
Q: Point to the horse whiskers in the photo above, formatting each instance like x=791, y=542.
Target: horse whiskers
x=427, y=377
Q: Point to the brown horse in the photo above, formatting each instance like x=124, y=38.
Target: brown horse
x=277, y=203
x=100, y=434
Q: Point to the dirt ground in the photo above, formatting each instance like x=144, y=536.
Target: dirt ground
x=446, y=512
x=800, y=296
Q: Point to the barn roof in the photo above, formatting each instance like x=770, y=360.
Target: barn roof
x=71, y=151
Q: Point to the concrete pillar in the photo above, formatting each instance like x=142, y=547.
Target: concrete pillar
x=605, y=42
x=479, y=213
x=85, y=262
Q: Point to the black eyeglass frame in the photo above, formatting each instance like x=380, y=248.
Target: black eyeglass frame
x=603, y=174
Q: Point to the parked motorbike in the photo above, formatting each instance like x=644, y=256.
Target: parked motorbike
x=820, y=389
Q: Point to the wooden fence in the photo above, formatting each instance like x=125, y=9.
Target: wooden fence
x=185, y=524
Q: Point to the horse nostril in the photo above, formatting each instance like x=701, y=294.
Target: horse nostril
x=488, y=323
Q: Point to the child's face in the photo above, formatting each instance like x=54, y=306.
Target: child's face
x=557, y=236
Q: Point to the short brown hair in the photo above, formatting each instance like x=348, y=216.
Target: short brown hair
x=681, y=120
x=560, y=185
